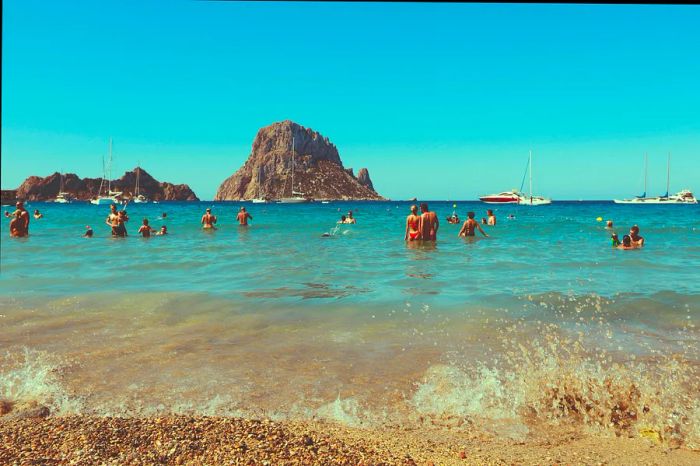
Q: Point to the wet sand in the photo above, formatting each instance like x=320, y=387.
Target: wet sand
x=216, y=440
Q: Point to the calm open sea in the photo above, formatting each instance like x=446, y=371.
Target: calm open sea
x=543, y=322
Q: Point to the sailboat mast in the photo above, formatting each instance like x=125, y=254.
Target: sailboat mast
x=646, y=166
x=109, y=169
x=292, y=166
x=668, y=174
x=531, y=176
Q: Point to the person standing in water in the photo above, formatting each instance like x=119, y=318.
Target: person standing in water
x=350, y=218
x=208, y=220
x=412, y=225
x=491, y=217
x=20, y=220
x=243, y=217
x=145, y=230
x=37, y=214
x=470, y=225
x=429, y=224
x=637, y=240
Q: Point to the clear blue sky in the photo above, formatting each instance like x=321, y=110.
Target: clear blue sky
x=437, y=100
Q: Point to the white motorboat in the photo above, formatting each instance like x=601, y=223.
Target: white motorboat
x=296, y=197
x=110, y=197
x=685, y=196
x=515, y=196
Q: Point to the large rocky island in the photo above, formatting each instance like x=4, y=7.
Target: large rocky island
x=318, y=170
x=36, y=188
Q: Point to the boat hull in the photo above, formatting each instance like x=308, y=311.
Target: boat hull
x=292, y=200
x=104, y=201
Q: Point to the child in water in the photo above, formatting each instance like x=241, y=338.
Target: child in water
x=626, y=243
x=615, y=240
x=145, y=229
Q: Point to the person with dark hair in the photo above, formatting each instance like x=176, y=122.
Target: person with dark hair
x=637, y=240
x=38, y=214
x=243, y=217
x=492, y=217
x=429, y=223
x=470, y=225
x=146, y=229
x=342, y=219
x=350, y=218
x=163, y=231
x=627, y=243
x=88, y=232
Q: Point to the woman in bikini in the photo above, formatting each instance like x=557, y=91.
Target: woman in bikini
x=412, y=225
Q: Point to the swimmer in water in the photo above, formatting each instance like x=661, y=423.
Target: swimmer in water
x=243, y=217
x=412, y=225
x=627, y=243
x=342, y=219
x=492, y=217
x=484, y=221
x=350, y=218
x=511, y=216
x=208, y=220
x=637, y=240
x=163, y=231
x=37, y=214
x=470, y=225
x=609, y=225
x=88, y=232
x=145, y=230
x=163, y=215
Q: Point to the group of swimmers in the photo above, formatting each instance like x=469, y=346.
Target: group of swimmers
x=631, y=241
x=209, y=220
x=424, y=227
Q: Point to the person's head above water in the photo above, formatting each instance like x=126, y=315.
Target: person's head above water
x=470, y=215
x=145, y=221
x=208, y=211
x=242, y=209
x=626, y=241
x=164, y=229
x=414, y=209
x=350, y=213
x=634, y=231
x=489, y=212
x=609, y=224
x=342, y=218
x=113, y=207
x=19, y=205
x=423, y=207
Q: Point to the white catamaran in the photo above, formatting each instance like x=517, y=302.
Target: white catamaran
x=682, y=197
x=297, y=197
x=111, y=197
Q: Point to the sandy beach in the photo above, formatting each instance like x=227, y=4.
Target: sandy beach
x=215, y=440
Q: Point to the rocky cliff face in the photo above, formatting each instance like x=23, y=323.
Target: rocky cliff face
x=36, y=188
x=318, y=170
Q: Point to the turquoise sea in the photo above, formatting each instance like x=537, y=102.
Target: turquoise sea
x=543, y=322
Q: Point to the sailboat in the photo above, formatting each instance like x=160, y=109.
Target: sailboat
x=297, y=197
x=62, y=197
x=138, y=197
x=258, y=199
x=682, y=197
x=515, y=196
x=111, y=197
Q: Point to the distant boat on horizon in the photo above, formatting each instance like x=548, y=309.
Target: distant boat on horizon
x=515, y=196
x=138, y=197
x=684, y=196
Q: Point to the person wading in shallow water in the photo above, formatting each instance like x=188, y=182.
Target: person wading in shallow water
x=19, y=226
x=412, y=225
x=637, y=240
x=243, y=217
x=470, y=225
x=429, y=224
x=208, y=220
